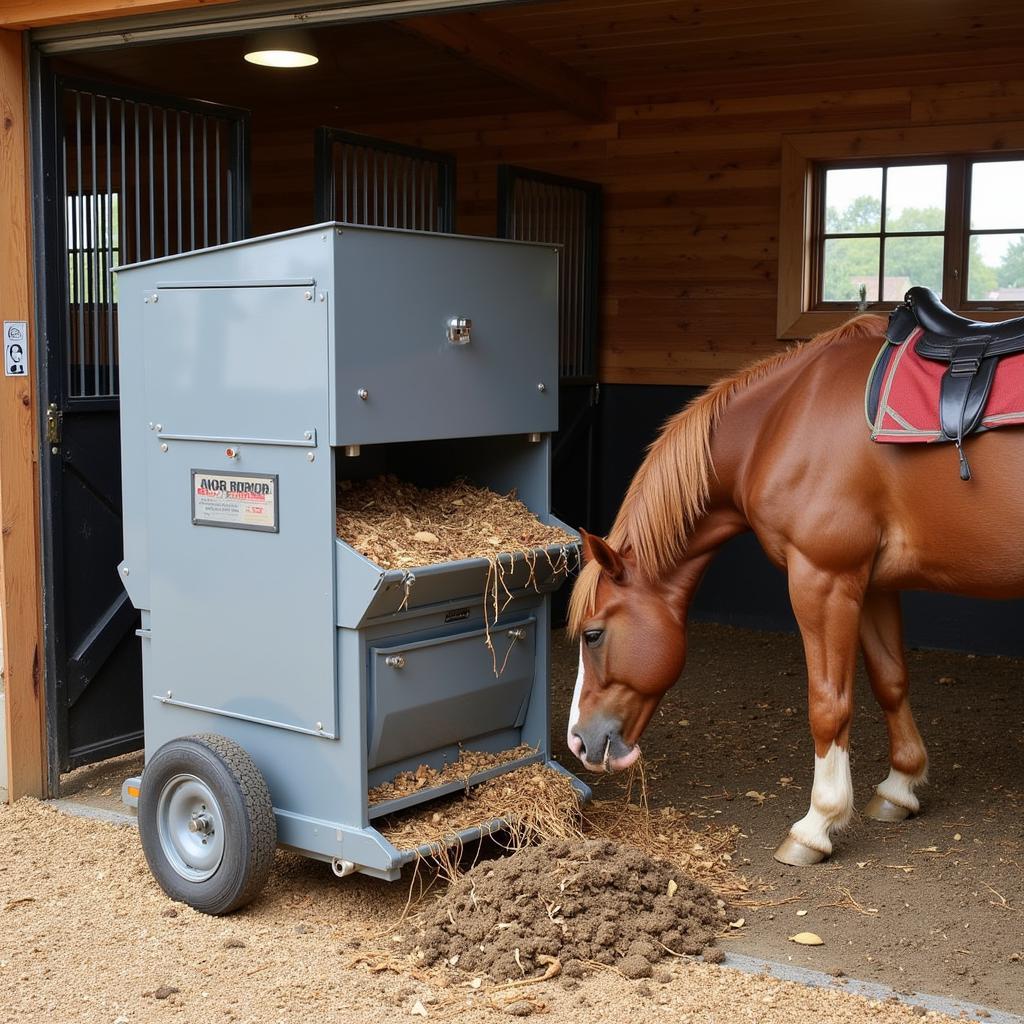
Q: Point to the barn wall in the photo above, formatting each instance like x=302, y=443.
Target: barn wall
x=691, y=179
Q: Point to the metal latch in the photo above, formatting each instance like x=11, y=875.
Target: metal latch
x=459, y=330
x=53, y=428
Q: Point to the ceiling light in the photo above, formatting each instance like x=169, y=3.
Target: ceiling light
x=288, y=48
x=281, y=58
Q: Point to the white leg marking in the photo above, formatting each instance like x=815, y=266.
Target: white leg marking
x=898, y=789
x=831, y=801
x=575, y=745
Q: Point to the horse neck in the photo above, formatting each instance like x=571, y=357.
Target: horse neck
x=723, y=517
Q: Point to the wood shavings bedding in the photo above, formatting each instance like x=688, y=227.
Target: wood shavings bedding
x=398, y=525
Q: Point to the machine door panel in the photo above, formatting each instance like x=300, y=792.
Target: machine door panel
x=432, y=693
x=398, y=377
x=242, y=603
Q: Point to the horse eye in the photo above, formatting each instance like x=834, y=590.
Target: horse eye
x=592, y=636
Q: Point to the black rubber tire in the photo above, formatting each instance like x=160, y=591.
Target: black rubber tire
x=250, y=830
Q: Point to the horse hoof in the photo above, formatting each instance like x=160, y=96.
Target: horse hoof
x=793, y=852
x=881, y=809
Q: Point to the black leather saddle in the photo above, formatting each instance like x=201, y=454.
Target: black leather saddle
x=970, y=348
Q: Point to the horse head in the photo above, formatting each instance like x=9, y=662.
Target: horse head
x=632, y=649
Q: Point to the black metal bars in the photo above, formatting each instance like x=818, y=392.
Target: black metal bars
x=538, y=207
x=363, y=180
x=143, y=176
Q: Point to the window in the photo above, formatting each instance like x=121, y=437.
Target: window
x=885, y=227
x=93, y=235
x=939, y=207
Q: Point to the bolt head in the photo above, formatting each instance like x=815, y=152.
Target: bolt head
x=363, y=394
x=163, y=447
x=125, y=570
x=169, y=695
x=308, y=296
x=310, y=456
x=319, y=726
x=542, y=387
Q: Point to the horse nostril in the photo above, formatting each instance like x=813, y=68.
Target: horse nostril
x=582, y=752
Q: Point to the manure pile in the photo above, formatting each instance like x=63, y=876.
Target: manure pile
x=565, y=907
x=398, y=525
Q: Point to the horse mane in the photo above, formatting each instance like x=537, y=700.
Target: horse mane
x=670, y=490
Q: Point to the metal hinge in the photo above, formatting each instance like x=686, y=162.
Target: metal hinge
x=53, y=427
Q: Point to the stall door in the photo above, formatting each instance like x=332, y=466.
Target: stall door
x=363, y=180
x=126, y=176
x=539, y=207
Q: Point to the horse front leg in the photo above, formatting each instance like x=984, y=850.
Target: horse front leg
x=881, y=637
x=828, y=610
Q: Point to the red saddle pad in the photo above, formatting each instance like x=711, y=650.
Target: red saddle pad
x=902, y=401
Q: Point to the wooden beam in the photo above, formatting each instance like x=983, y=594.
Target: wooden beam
x=469, y=37
x=20, y=14
x=20, y=584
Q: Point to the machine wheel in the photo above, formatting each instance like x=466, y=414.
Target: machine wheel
x=206, y=823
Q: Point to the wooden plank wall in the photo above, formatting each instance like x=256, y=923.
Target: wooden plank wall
x=690, y=170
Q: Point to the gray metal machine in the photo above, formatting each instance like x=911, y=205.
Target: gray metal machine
x=255, y=377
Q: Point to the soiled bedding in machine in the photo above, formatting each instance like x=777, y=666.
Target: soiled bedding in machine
x=398, y=525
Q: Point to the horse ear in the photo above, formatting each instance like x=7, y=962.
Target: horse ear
x=597, y=550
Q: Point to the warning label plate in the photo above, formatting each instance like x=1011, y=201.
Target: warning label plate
x=238, y=501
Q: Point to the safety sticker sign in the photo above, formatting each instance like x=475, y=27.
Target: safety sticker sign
x=238, y=501
x=16, y=348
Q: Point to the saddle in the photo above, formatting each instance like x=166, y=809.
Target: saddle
x=970, y=349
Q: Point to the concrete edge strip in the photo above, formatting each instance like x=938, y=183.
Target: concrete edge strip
x=736, y=961
x=68, y=806
x=868, y=989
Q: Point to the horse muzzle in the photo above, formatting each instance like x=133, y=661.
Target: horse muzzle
x=601, y=748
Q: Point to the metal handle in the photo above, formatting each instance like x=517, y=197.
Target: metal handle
x=460, y=329
x=517, y=634
x=394, y=661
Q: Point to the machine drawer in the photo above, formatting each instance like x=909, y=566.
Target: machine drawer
x=435, y=692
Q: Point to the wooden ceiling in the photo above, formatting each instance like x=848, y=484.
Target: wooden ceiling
x=570, y=53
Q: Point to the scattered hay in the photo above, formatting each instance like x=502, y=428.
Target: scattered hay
x=398, y=525
x=536, y=803
x=573, y=903
x=468, y=764
x=541, y=805
x=704, y=855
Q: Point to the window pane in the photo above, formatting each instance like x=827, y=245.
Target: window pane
x=912, y=261
x=997, y=194
x=850, y=263
x=853, y=200
x=996, y=272
x=915, y=198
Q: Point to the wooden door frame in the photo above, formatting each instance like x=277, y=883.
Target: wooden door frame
x=20, y=565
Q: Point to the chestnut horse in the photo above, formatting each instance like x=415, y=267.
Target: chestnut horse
x=782, y=448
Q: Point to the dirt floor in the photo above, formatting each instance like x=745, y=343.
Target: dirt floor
x=934, y=904
x=87, y=937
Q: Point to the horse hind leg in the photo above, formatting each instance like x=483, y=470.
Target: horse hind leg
x=882, y=644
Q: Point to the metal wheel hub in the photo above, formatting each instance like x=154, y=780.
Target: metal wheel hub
x=191, y=827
